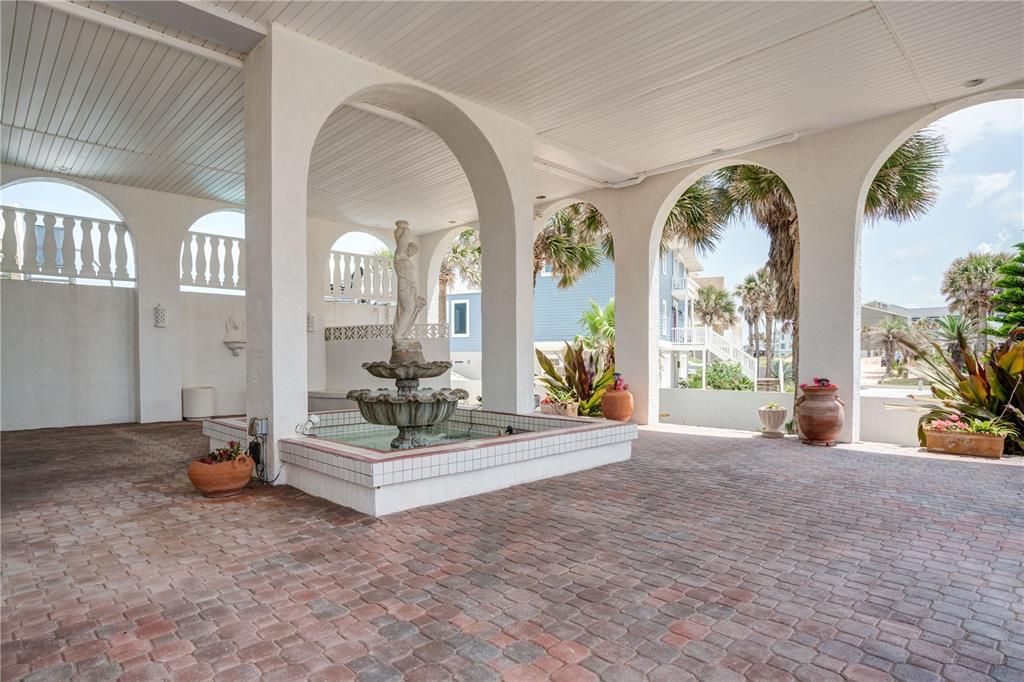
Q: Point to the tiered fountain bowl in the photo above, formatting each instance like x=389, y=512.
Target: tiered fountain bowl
x=408, y=407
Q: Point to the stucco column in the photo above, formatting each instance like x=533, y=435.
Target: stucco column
x=636, y=305
x=275, y=226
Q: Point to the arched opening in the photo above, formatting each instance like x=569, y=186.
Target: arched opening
x=943, y=207
x=59, y=231
x=727, y=289
x=70, y=352
x=359, y=271
x=423, y=129
x=573, y=304
x=212, y=255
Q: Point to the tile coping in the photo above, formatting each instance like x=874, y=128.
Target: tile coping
x=363, y=454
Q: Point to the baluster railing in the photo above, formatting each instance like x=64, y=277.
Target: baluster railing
x=46, y=244
x=212, y=262
x=358, y=278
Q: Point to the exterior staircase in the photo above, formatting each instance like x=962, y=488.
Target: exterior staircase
x=707, y=339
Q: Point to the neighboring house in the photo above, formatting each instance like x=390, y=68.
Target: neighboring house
x=874, y=312
x=557, y=313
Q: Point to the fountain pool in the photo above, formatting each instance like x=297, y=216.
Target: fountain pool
x=349, y=461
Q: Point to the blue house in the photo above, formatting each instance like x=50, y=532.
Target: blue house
x=557, y=312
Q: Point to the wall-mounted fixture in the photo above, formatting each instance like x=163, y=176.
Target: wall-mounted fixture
x=234, y=335
x=310, y=323
x=159, y=316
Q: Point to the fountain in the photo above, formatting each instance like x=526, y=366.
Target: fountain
x=411, y=409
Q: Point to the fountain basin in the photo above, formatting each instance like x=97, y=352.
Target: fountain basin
x=349, y=461
x=411, y=411
x=407, y=370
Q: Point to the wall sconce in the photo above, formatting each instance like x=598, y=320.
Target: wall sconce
x=159, y=316
x=310, y=323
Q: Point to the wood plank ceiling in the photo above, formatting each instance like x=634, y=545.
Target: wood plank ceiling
x=639, y=85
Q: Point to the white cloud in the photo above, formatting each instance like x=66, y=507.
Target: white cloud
x=964, y=128
x=1009, y=210
x=987, y=185
x=984, y=247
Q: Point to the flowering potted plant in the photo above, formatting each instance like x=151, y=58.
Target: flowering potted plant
x=971, y=437
x=224, y=472
x=820, y=412
x=617, y=401
x=773, y=417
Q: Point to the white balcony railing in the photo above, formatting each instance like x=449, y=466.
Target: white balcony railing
x=212, y=262
x=705, y=338
x=679, y=283
x=359, y=278
x=55, y=246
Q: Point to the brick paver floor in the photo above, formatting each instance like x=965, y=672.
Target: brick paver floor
x=706, y=556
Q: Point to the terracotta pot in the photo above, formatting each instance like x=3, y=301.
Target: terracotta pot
x=820, y=414
x=960, y=443
x=772, y=419
x=617, y=405
x=223, y=479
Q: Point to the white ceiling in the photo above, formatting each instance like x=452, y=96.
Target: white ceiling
x=637, y=85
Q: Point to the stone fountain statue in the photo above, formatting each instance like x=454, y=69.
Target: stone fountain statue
x=410, y=409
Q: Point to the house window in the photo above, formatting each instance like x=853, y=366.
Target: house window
x=664, y=266
x=547, y=270
x=460, y=318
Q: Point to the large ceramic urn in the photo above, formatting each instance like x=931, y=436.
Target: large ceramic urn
x=820, y=414
x=617, y=404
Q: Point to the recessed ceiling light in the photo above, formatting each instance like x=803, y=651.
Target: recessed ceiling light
x=542, y=196
x=974, y=82
x=452, y=222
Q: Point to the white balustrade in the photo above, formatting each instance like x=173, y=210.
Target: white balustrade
x=212, y=262
x=56, y=246
x=359, y=278
x=719, y=345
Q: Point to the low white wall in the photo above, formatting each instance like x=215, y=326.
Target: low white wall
x=468, y=365
x=68, y=355
x=882, y=424
x=718, y=409
x=738, y=410
x=206, y=361
x=345, y=359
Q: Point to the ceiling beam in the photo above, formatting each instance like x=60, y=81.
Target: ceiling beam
x=116, y=23
x=200, y=19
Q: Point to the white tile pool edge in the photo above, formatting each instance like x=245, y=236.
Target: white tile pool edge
x=406, y=481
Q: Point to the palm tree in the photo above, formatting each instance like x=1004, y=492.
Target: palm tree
x=570, y=245
x=969, y=284
x=600, y=325
x=905, y=188
x=890, y=336
x=750, y=307
x=715, y=308
x=461, y=262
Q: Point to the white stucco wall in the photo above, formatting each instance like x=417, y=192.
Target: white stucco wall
x=189, y=350
x=880, y=423
x=67, y=355
x=206, y=361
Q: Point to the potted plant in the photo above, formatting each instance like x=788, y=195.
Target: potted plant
x=820, y=412
x=617, y=401
x=581, y=383
x=773, y=418
x=224, y=472
x=971, y=437
x=978, y=387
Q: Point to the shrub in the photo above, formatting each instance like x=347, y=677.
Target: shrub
x=722, y=376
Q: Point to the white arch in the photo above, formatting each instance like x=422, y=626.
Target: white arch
x=70, y=183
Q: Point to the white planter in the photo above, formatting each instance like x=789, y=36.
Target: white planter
x=772, y=421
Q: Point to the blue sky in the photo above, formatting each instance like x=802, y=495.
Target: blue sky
x=980, y=208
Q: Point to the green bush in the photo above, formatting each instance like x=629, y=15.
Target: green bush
x=722, y=376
